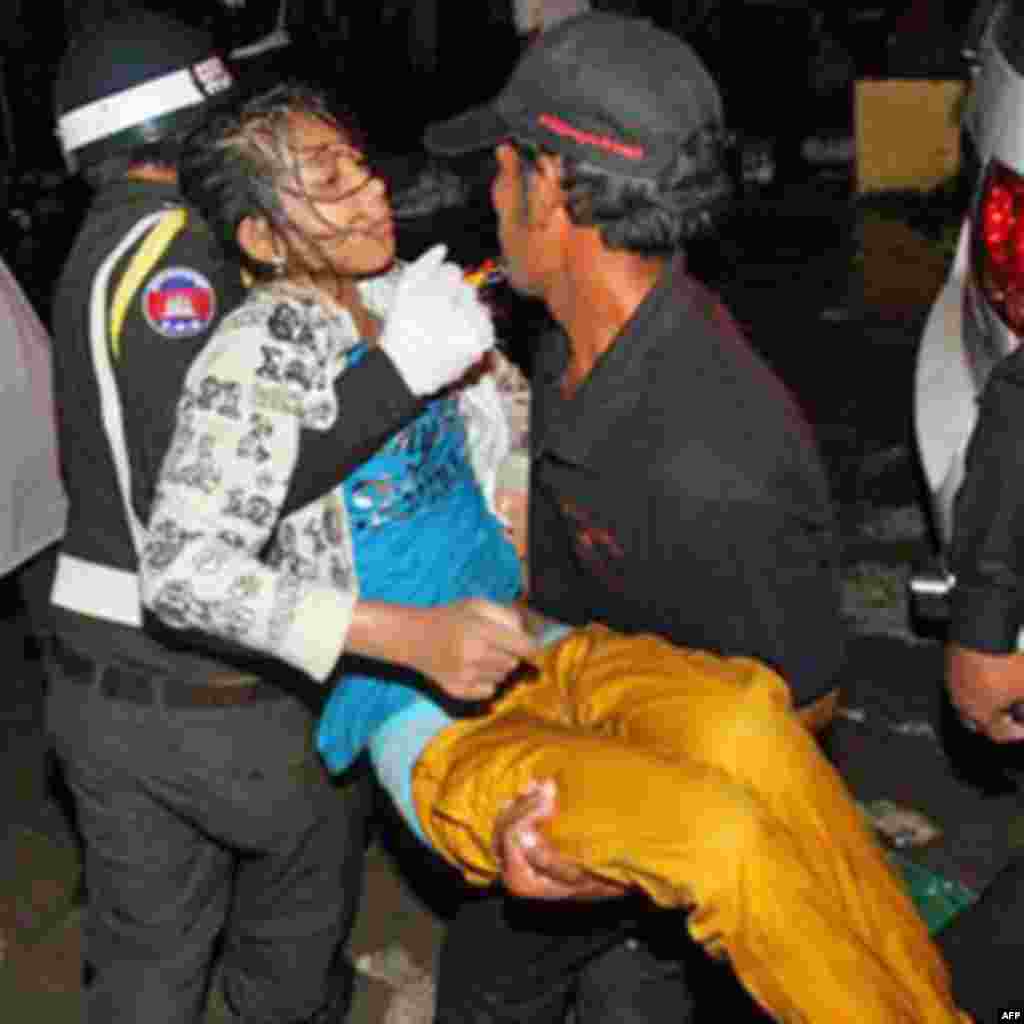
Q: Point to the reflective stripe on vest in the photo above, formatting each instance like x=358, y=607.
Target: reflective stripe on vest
x=147, y=257
x=81, y=585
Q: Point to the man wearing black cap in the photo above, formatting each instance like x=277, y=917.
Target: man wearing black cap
x=675, y=485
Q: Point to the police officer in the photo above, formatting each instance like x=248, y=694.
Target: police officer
x=204, y=812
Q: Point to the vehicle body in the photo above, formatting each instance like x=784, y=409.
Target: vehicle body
x=978, y=317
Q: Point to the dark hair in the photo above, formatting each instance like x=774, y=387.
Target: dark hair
x=647, y=216
x=165, y=152
x=231, y=165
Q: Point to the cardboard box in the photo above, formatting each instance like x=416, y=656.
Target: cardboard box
x=907, y=133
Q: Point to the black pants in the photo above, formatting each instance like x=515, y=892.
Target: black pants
x=506, y=960
x=204, y=828
x=35, y=580
x=984, y=948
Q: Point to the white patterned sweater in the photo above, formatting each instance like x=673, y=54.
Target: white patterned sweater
x=218, y=555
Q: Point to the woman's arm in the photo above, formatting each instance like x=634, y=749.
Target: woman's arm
x=221, y=561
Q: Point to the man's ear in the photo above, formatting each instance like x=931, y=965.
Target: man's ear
x=547, y=195
x=257, y=239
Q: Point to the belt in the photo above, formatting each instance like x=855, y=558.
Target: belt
x=215, y=690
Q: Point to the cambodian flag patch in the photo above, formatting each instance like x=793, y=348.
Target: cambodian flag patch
x=179, y=303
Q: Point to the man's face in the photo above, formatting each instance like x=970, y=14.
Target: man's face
x=514, y=227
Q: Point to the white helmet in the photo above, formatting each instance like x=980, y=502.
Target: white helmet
x=131, y=82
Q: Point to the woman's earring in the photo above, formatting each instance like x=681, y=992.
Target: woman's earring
x=278, y=263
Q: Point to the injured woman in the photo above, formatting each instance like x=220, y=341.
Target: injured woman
x=686, y=775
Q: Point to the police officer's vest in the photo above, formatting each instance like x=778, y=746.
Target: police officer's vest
x=78, y=580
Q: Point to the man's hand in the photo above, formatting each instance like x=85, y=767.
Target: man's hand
x=531, y=867
x=985, y=690
x=469, y=648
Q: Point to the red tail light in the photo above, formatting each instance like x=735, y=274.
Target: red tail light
x=999, y=244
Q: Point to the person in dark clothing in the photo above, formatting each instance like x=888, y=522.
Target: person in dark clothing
x=192, y=833
x=985, y=669
x=675, y=487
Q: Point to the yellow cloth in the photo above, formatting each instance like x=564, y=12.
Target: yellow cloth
x=689, y=776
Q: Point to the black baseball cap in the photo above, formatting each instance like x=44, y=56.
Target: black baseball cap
x=612, y=91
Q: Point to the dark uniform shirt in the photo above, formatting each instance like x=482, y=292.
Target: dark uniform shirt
x=678, y=491
x=173, y=311
x=987, y=550
x=152, y=362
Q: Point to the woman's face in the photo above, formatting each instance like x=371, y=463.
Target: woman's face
x=337, y=209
